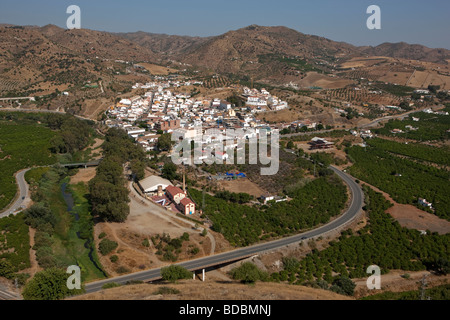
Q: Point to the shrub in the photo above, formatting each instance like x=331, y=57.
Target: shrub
x=248, y=273
x=106, y=246
x=174, y=273
x=114, y=258
x=102, y=235
x=122, y=269
x=146, y=243
x=6, y=269
x=50, y=284
x=343, y=285
x=195, y=250
x=110, y=285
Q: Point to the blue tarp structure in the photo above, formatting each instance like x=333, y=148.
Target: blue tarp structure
x=242, y=175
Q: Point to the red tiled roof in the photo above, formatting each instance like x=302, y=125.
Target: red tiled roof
x=173, y=190
x=186, y=201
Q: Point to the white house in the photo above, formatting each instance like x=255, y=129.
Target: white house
x=425, y=203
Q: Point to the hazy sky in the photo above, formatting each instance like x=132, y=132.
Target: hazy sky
x=412, y=21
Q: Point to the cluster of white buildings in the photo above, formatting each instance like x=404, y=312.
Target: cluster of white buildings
x=161, y=85
x=442, y=113
x=163, y=111
x=261, y=101
x=364, y=133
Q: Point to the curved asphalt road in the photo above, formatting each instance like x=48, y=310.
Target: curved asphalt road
x=23, y=193
x=353, y=211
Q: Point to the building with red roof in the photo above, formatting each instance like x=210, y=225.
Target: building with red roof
x=186, y=206
x=175, y=194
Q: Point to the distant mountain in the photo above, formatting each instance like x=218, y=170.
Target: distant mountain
x=162, y=43
x=241, y=50
x=30, y=55
x=408, y=51
x=259, y=49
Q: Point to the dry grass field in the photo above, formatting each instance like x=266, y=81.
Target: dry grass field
x=242, y=185
x=157, y=70
x=359, y=62
x=314, y=79
x=214, y=289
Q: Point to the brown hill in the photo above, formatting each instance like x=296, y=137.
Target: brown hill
x=404, y=50
x=256, y=48
x=38, y=60
x=162, y=43
x=259, y=50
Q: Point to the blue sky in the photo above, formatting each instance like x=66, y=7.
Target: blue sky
x=413, y=21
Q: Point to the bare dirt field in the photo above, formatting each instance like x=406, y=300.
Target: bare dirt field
x=359, y=62
x=413, y=218
x=83, y=175
x=145, y=220
x=422, y=79
x=314, y=79
x=93, y=107
x=157, y=70
x=396, y=77
x=242, y=185
x=286, y=115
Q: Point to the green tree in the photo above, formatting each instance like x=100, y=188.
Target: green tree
x=175, y=272
x=6, y=269
x=169, y=171
x=164, y=142
x=106, y=246
x=442, y=266
x=343, y=285
x=49, y=284
x=138, y=168
x=290, y=145
x=248, y=273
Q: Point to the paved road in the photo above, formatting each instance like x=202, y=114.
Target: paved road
x=351, y=213
x=23, y=194
x=376, y=121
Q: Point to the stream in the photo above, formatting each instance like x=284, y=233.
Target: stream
x=68, y=198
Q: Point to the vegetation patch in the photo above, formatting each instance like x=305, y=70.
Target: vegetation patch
x=15, y=242
x=382, y=242
x=405, y=180
x=242, y=225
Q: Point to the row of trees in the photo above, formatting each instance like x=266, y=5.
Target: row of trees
x=414, y=150
x=108, y=193
x=404, y=179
